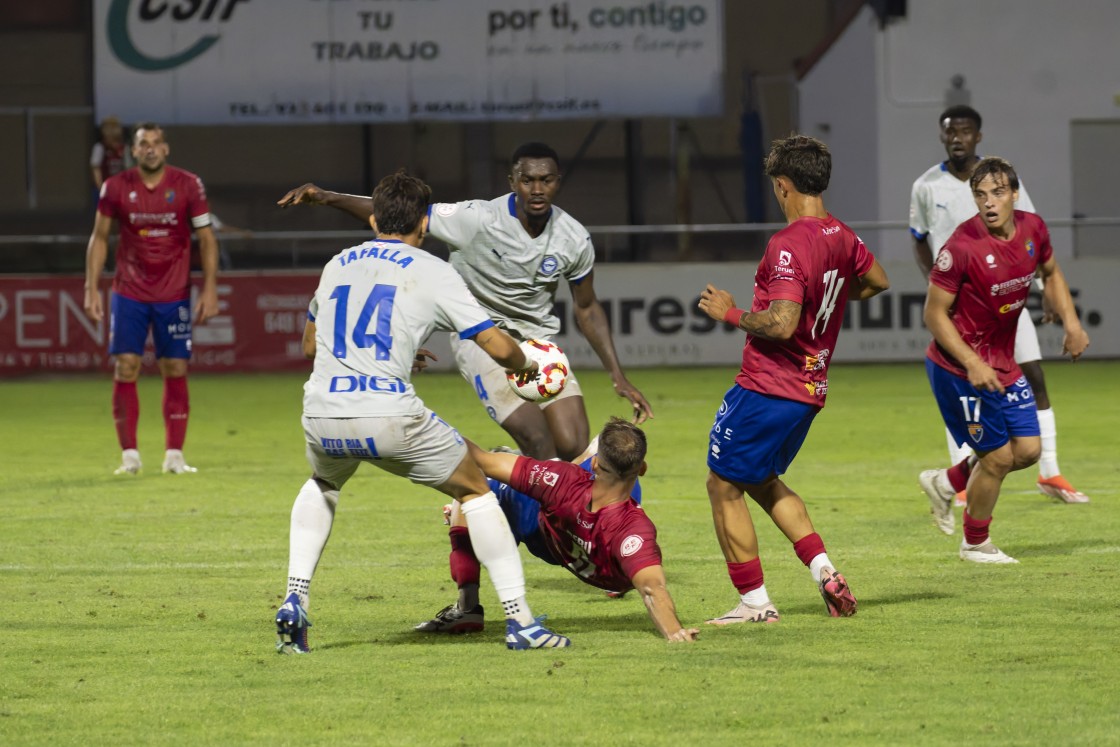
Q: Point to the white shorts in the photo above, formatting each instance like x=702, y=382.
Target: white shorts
x=490, y=382
x=1026, y=340
x=423, y=448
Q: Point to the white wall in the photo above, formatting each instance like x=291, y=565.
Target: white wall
x=1031, y=66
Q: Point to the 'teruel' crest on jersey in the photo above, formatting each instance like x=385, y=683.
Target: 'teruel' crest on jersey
x=513, y=276
x=375, y=305
x=991, y=279
x=154, y=254
x=812, y=262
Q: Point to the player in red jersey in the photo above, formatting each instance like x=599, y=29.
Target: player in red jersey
x=978, y=287
x=582, y=517
x=808, y=272
x=155, y=206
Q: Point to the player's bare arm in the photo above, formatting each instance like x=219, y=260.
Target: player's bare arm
x=309, y=340
x=97, y=251
x=309, y=194
x=869, y=284
x=1056, y=295
x=207, y=306
x=592, y=322
x=650, y=584
x=777, y=322
x=923, y=255
x=495, y=465
x=505, y=351
x=940, y=324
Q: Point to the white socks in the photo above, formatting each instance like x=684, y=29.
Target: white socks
x=818, y=564
x=756, y=597
x=312, y=517
x=1048, y=462
x=496, y=549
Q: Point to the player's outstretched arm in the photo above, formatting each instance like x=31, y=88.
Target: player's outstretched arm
x=495, y=465
x=1055, y=291
x=97, y=251
x=871, y=283
x=776, y=322
x=650, y=583
x=940, y=325
x=308, y=194
x=592, y=322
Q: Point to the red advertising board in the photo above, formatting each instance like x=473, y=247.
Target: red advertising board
x=259, y=325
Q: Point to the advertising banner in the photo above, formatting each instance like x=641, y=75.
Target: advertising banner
x=335, y=61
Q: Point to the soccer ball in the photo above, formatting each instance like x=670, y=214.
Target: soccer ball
x=552, y=374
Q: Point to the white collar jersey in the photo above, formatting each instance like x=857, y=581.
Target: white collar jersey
x=375, y=305
x=513, y=276
x=939, y=202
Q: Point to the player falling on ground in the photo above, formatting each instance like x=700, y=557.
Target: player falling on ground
x=977, y=289
x=583, y=518
x=941, y=200
x=156, y=206
x=809, y=271
x=374, y=305
x=512, y=252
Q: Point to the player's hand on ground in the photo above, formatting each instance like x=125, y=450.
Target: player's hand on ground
x=207, y=306
x=92, y=305
x=983, y=376
x=307, y=194
x=419, y=363
x=642, y=410
x=715, y=302
x=1075, y=342
x=683, y=635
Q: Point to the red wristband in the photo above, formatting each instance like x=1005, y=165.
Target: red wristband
x=733, y=316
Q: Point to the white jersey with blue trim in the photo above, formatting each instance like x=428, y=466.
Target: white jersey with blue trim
x=513, y=275
x=939, y=202
x=375, y=305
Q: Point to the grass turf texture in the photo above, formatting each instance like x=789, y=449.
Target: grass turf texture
x=139, y=610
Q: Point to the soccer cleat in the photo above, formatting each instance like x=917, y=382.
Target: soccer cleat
x=1059, y=487
x=940, y=493
x=985, y=552
x=535, y=635
x=291, y=627
x=174, y=464
x=130, y=463
x=836, y=594
x=748, y=613
x=615, y=594
x=960, y=500
x=452, y=620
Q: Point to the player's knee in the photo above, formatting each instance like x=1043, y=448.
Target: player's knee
x=172, y=368
x=1027, y=453
x=126, y=368
x=999, y=462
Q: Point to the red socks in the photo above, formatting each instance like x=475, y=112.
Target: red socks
x=746, y=576
x=176, y=408
x=958, y=474
x=975, y=530
x=808, y=547
x=126, y=412
x=465, y=568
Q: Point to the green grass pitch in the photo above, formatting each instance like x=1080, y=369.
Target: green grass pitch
x=139, y=610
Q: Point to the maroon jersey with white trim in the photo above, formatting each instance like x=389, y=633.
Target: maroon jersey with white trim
x=154, y=252
x=605, y=548
x=814, y=262
x=991, y=279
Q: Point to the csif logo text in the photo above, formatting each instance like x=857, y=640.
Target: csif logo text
x=116, y=27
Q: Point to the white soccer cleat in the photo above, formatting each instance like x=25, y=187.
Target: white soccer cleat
x=985, y=552
x=936, y=485
x=1059, y=487
x=130, y=463
x=174, y=464
x=748, y=613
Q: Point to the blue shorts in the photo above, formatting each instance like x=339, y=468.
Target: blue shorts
x=984, y=420
x=756, y=436
x=523, y=514
x=170, y=323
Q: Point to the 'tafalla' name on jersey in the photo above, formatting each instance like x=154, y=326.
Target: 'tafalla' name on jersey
x=375, y=251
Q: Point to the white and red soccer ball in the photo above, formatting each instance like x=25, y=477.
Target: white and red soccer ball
x=552, y=373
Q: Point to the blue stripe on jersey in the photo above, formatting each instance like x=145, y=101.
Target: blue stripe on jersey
x=918, y=234
x=466, y=334
x=513, y=204
x=310, y=316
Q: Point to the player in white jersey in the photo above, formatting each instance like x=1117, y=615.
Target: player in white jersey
x=513, y=251
x=941, y=200
x=375, y=304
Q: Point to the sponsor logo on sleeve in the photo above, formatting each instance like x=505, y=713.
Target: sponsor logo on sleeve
x=631, y=545
x=549, y=478
x=445, y=209
x=944, y=260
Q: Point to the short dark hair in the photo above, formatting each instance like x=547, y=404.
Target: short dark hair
x=400, y=202
x=960, y=111
x=803, y=160
x=622, y=448
x=996, y=168
x=144, y=126
x=533, y=150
